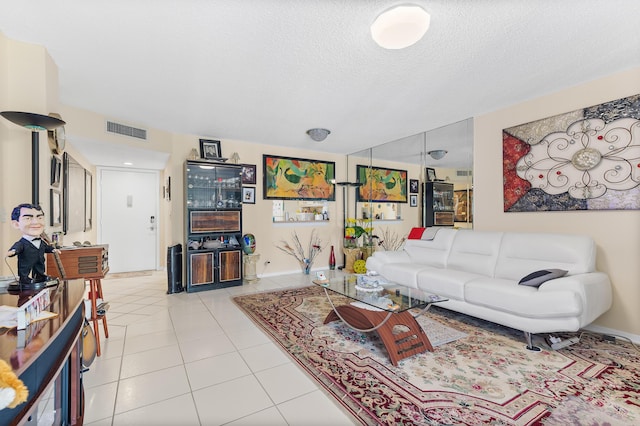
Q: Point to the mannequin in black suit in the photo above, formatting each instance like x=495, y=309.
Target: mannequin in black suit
x=30, y=249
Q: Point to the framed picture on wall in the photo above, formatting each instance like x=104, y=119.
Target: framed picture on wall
x=55, y=203
x=56, y=170
x=463, y=203
x=248, y=174
x=431, y=174
x=88, y=200
x=413, y=200
x=210, y=150
x=73, y=195
x=413, y=186
x=248, y=195
x=286, y=178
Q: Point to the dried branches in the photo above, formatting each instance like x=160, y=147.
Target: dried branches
x=296, y=249
x=390, y=241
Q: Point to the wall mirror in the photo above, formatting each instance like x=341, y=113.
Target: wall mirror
x=411, y=154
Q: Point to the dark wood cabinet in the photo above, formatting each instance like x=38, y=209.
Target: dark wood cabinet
x=213, y=225
x=438, y=208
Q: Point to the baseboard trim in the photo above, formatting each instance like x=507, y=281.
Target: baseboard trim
x=612, y=332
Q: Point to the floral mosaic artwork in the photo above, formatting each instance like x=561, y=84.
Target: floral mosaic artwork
x=478, y=373
x=587, y=159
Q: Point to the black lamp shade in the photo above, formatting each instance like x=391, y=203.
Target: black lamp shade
x=33, y=121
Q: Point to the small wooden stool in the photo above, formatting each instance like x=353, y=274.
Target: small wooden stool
x=95, y=293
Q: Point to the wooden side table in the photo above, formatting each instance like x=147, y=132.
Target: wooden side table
x=92, y=264
x=95, y=293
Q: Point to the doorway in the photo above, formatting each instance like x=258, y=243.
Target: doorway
x=127, y=202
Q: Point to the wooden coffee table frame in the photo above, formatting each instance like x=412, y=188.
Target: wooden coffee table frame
x=407, y=340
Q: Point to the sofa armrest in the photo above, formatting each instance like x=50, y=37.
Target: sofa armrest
x=593, y=288
x=392, y=256
x=379, y=259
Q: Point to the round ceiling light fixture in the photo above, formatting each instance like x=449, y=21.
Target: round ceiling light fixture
x=437, y=154
x=318, y=134
x=400, y=26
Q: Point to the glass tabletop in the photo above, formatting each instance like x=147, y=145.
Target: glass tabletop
x=378, y=292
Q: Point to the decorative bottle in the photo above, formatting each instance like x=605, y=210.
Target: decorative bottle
x=332, y=260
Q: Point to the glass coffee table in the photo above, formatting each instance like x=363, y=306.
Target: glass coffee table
x=382, y=306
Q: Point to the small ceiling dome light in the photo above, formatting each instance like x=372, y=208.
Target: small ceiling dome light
x=437, y=154
x=400, y=26
x=318, y=135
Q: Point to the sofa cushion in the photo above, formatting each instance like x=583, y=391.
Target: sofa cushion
x=521, y=253
x=403, y=273
x=379, y=259
x=535, y=279
x=445, y=282
x=416, y=233
x=475, y=251
x=508, y=296
x=431, y=252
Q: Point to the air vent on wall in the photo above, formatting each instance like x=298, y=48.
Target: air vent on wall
x=122, y=129
x=460, y=173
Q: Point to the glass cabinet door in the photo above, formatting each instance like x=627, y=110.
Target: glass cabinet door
x=438, y=204
x=210, y=186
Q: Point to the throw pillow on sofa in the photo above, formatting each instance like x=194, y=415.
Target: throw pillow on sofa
x=535, y=279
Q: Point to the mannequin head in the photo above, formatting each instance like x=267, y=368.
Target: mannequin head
x=29, y=219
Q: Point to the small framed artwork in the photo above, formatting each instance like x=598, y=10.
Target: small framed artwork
x=56, y=170
x=248, y=174
x=413, y=200
x=413, y=186
x=209, y=149
x=248, y=195
x=55, y=201
x=431, y=174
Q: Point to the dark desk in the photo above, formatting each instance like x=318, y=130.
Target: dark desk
x=52, y=354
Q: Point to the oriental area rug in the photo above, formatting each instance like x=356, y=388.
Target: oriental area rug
x=479, y=372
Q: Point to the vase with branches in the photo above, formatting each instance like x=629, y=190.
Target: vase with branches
x=297, y=250
x=390, y=241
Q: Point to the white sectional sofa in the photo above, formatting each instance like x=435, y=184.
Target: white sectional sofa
x=479, y=272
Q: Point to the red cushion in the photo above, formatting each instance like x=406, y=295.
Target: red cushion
x=416, y=233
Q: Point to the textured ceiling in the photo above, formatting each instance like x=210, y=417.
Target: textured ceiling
x=265, y=71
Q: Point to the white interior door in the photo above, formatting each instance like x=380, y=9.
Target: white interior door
x=128, y=218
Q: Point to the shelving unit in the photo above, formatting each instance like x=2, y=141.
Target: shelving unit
x=438, y=208
x=213, y=225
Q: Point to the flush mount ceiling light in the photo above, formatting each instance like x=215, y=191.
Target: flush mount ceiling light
x=437, y=154
x=400, y=26
x=318, y=135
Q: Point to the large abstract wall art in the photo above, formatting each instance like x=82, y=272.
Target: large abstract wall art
x=288, y=178
x=587, y=159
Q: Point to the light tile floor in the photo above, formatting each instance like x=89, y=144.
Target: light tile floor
x=196, y=359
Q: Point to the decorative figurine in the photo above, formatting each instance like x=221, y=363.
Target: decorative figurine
x=30, y=249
